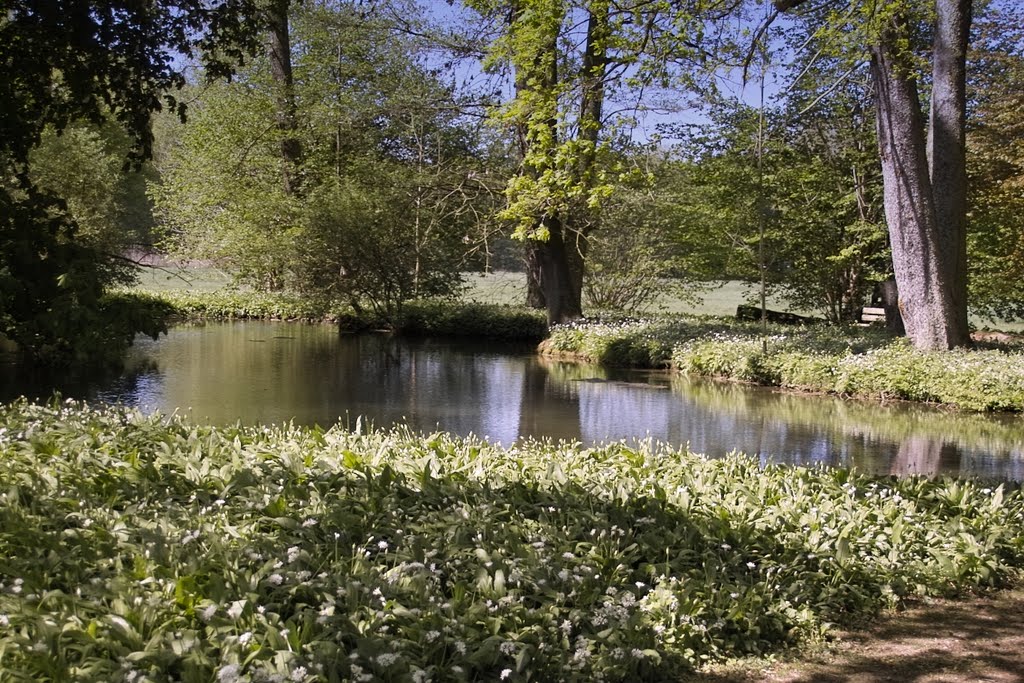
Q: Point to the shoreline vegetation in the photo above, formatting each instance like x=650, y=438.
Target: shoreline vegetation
x=853, y=362
x=152, y=548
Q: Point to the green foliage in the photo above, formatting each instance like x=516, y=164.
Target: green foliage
x=970, y=380
x=811, y=219
x=68, y=67
x=642, y=251
x=52, y=303
x=626, y=342
x=392, y=181
x=233, y=303
x=371, y=246
x=847, y=361
x=488, y=321
x=995, y=238
x=108, y=58
x=147, y=547
x=428, y=318
x=220, y=197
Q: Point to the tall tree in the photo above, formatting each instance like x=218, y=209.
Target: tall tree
x=567, y=58
x=923, y=162
x=390, y=169
x=924, y=174
x=86, y=60
x=279, y=53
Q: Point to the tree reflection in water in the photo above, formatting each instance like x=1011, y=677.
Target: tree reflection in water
x=265, y=372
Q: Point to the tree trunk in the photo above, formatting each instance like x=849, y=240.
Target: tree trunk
x=891, y=303
x=924, y=275
x=947, y=153
x=561, y=297
x=534, y=290
x=549, y=272
x=280, y=54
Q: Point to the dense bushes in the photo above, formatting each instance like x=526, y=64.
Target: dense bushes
x=233, y=303
x=142, y=548
x=417, y=317
x=512, y=323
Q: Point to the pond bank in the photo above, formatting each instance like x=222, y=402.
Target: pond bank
x=842, y=361
x=846, y=362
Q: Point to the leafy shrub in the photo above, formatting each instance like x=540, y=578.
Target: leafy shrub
x=146, y=547
x=841, y=360
x=232, y=303
x=513, y=323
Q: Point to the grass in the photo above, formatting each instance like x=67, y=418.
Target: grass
x=143, y=548
x=162, y=276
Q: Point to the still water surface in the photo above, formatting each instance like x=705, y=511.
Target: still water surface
x=309, y=374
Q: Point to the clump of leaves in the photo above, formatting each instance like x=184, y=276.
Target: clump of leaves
x=144, y=548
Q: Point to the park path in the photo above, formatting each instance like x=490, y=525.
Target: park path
x=940, y=641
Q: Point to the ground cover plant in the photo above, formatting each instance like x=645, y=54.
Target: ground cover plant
x=140, y=548
x=442, y=318
x=847, y=361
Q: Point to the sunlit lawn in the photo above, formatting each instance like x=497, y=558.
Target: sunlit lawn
x=718, y=299
x=507, y=288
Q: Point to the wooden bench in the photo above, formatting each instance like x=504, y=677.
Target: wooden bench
x=870, y=315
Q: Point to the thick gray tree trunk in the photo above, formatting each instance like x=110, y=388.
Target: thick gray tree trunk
x=924, y=175
x=924, y=215
x=560, y=294
x=947, y=146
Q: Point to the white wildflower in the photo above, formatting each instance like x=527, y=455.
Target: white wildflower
x=387, y=659
x=235, y=611
x=208, y=613
x=228, y=674
x=505, y=673
x=298, y=673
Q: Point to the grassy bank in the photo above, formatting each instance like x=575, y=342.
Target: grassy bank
x=844, y=361
x=854, y=361
x=135, y=548
x=469, y=319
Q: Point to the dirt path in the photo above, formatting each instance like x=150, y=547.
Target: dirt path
x=981, y=639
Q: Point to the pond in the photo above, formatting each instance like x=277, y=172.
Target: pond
x=310, y=374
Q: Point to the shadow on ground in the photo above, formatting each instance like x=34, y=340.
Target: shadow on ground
x=981, y=639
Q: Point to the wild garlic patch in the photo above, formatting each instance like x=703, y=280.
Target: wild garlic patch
x=139, y=548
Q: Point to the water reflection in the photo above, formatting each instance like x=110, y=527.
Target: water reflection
x=273, y=373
